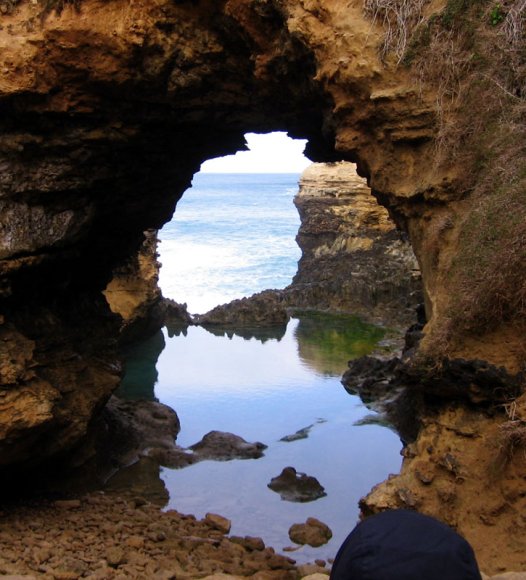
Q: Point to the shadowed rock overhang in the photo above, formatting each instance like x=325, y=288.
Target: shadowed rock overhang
x=108, y=109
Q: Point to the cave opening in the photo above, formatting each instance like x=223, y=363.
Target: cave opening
x=233, y=232
x=279, y=386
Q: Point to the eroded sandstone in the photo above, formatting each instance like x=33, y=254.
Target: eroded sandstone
x=108, y=108
x=353, y=258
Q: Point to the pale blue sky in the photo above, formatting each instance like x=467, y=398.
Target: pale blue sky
x=269, y=153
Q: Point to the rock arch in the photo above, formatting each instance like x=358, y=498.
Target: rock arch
x=109, y=107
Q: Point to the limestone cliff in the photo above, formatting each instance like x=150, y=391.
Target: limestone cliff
x=353, y=259
x=108, y=108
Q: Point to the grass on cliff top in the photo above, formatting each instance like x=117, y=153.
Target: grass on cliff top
x=473, y=54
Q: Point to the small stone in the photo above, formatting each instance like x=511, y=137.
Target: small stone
x=67, y=504
x=312, y=572
x=312, y=532
x=17, y=577
x=218, y=522
x=249, y=542
x=139, y=502
x=135, y=542
x=115, y=556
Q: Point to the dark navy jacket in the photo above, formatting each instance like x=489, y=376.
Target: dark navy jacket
x=404, y=545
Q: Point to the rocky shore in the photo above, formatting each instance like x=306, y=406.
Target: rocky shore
x=104, y=537
x=116, y=537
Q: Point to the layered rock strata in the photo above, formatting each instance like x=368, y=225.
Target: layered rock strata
x=108, y=108
x=353, y=258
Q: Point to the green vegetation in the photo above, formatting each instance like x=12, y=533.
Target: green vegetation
x=472, y=54
x=456, y=11
x=496, y=15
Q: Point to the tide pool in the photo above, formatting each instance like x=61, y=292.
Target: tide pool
x=263, y=390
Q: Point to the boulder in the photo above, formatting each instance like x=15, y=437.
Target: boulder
x=312, y=532
x=297, y=487
x=223, y=446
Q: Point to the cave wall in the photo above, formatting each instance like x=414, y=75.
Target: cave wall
x=109, y=107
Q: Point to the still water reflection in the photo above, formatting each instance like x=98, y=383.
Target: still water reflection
x=263, y=390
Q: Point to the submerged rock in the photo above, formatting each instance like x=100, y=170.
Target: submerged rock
x=312, y=532
x=301, y=433
x=298, y=487
x=223, y=446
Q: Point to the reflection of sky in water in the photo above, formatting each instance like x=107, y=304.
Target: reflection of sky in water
x=263, y=392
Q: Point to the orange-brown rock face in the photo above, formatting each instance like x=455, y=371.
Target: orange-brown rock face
x=133, y=293
x=467, y=469
x=108, y=111
x=353, y=258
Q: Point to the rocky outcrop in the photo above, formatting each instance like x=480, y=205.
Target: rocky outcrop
x=353, y=258
x=133, y=292
x=108, y=108
x=267, y=308
x=466, y=468
x=298, y=487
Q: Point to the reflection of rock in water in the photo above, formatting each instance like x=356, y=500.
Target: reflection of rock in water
x=326, y=342
x=140, y=373
x=373, y=380
x=262, y=333
x=141, y=478
x=298, y=487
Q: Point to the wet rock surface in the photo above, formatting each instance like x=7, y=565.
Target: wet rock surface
x=312, y=532
x=104, y=537
x=297, y=487
x=225, y=446
x=132, y=430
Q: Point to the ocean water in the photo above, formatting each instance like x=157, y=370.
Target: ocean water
x=231, y=235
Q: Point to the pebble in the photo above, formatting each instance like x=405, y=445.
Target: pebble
x=106, y=537
x=218, y=522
